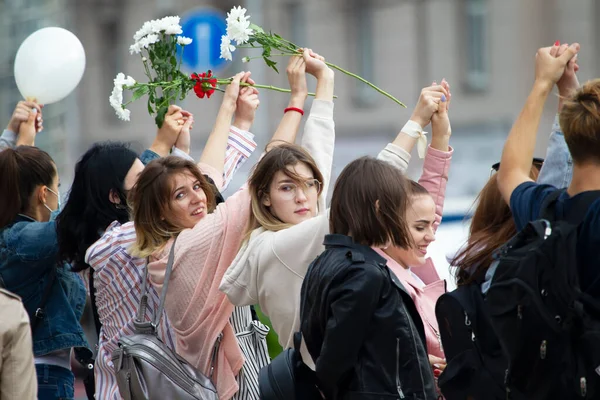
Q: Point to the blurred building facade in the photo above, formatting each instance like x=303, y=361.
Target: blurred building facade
x=484, y=48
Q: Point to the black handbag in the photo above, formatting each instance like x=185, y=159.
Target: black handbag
x=287, y=377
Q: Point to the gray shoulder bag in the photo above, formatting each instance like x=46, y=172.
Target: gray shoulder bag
x=147, y=369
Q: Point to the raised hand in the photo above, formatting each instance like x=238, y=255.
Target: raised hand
x=315, y=64
x=233, y=90
x=184, y=139
x=21, y=114
x=296, y=73
x=246, y=105
x=440, y=122
x=568, y=82
x=27, y=130
x=548, y=68
x=167, y=135
x=428, y=103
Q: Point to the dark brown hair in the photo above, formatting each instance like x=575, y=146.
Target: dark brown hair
x=416, y=189
x=276, y=159
x=580, y=123
x=23, y=169
x=369, y=203
x=492, y=225
x=150, y=202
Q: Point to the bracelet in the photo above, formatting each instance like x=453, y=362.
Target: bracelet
x=298, y=110
x=414, y=130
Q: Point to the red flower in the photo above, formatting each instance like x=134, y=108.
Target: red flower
x=205, y=84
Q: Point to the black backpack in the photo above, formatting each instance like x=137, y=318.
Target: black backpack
x=548, y=328
x=476, y=364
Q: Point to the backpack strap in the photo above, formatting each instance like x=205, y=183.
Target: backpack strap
x=139, y=323
x=39, y=312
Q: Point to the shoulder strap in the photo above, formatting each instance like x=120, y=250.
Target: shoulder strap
x=97, y=322
x=39, y=312
x=140, y=324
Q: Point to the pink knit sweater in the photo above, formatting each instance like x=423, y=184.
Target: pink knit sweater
x=196, y=308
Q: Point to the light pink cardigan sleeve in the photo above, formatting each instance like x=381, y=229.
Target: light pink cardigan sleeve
x=434, y=177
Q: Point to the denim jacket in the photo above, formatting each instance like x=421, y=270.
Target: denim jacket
x=558, y=165
x=28, y=249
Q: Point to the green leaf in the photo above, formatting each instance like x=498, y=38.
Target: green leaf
x=139, y=92
x=150, y=109
x=257, y=28
x=271, y=64
x=173, y=61
x=160, y=116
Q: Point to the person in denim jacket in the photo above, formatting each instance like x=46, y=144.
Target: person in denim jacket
x=28, y=246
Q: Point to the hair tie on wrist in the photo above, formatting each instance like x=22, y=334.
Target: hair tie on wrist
x=298, y=110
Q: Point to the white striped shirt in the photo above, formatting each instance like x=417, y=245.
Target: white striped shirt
x=118, y=279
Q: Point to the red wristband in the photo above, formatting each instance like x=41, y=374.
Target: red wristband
x=299, y=110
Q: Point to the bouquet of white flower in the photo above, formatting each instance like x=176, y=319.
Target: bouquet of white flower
x=248, y=35
x=161, y=49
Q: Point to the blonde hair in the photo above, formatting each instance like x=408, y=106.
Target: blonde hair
x=580, y=123
x=277, y=159
x=150, y=203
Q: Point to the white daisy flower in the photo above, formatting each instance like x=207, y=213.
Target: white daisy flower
x=238, y=25
x=183, y=41
x=226, y=48
x=116, y=97
x=236, y=14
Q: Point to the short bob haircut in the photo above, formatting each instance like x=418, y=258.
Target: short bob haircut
x=150, y=202
x=277, y=159
x=369, y=204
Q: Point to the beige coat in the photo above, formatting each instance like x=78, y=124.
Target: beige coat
x=17, y=372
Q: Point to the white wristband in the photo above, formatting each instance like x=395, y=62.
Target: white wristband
x=414, y=130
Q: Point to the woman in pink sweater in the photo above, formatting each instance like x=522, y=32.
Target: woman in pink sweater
x=172, y=199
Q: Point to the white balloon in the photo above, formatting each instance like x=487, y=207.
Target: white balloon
x=49, y=65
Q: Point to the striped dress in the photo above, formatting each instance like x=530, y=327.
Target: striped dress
x=118, y=280
x=251, y=335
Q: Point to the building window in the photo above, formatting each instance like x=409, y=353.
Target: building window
x=364, y=96
x=477, y=63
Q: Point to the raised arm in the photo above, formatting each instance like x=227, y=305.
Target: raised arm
x=398, y=152
x=520, y=145
x=290, y=122
x=558, y=165
x=213, y=154
x=319, y=131
x=436, y=167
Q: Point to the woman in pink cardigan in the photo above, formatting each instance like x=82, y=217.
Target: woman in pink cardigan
x=171, y=199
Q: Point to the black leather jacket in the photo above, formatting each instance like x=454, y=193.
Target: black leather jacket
x=362, y=328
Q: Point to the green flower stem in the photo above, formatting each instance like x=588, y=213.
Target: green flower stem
x=363, y=80
x=287, y=46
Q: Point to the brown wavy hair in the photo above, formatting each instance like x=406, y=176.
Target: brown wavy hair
x=492, y=225
x=276, y=159
x=150, y=203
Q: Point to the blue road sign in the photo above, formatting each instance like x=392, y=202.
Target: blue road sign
x=204, y=26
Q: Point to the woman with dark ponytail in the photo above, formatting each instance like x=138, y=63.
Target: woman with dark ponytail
x=53, y=296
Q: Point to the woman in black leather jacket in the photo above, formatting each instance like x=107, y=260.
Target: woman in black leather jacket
x=360, y=325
